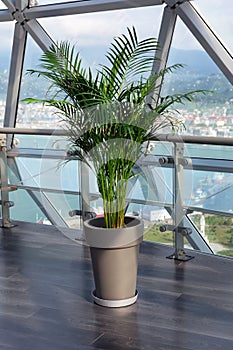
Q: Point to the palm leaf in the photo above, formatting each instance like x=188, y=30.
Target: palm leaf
x=129, y=58
x=107, y=115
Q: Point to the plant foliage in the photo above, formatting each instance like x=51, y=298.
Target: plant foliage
x=107, y=115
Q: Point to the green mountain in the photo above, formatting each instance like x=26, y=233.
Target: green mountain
x=199, y=72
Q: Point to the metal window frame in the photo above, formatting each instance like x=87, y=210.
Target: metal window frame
x=26, y=17
x=81, y=7
x=15, y=76
x=161, y=55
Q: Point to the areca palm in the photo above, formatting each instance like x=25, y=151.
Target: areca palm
x=107, y=117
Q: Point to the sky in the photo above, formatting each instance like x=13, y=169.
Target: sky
x=99, y=28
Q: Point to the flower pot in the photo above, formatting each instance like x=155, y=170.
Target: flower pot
x=114, y=254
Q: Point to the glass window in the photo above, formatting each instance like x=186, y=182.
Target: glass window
x=209, y=151
x=211, y=113
x=2, y=6
x=48, y=173
x=41, y=142
x=29, y=211
x=216, y=230
x=34, y=115
x=93, y=33
x=55, y=183
x=219, y=16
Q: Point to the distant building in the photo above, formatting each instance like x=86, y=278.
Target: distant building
x=151, y=214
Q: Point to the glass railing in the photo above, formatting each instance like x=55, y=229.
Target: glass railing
x=45, y=188
x=45, y=183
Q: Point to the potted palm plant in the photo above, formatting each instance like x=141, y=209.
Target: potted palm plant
x=109, y=123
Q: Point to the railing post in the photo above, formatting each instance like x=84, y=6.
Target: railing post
x=6, y=203
x=178, y=209
x=178, y=198
x=84, y=189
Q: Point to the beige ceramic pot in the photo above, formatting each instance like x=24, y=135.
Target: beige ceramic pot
x=114, y=254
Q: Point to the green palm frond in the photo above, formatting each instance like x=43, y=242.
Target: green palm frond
x=165, y=102
x=107, y=115
x=63, y=68
x=129, y=59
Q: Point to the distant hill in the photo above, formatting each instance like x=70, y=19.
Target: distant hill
x=195, y=61
x=199, y=72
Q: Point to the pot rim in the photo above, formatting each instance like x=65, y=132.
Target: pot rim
x=109, y=238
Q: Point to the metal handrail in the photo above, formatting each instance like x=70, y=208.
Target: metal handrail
x=27, y=131
x=207, y=140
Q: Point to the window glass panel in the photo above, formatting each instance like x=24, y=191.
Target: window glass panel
x=100, y=27
x=219, y=16
x=212, y=190
x=29, y=211
x=42, y=142
x=217, y=231
x=2, y=6
x=64, y=204
x=55, y=184
x=209, y=114
x=154, y=218
x=93, y=33
x=207, y=151
x=34, y=115
x=48, y=173
x=209, y=178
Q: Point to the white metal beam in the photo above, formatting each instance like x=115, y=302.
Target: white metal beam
x=16, y=68
x=5, y=16
x=161, y=55
x=207, y=38
x=39, y=35
x=174, y=3
x=21, y=4
x=77, y=7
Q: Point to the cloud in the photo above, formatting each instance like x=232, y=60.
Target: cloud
x=100, y=28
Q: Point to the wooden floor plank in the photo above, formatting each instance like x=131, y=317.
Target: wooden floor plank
x=45, y=298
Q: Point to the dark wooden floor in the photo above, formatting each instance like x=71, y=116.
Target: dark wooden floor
x=45, y=301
